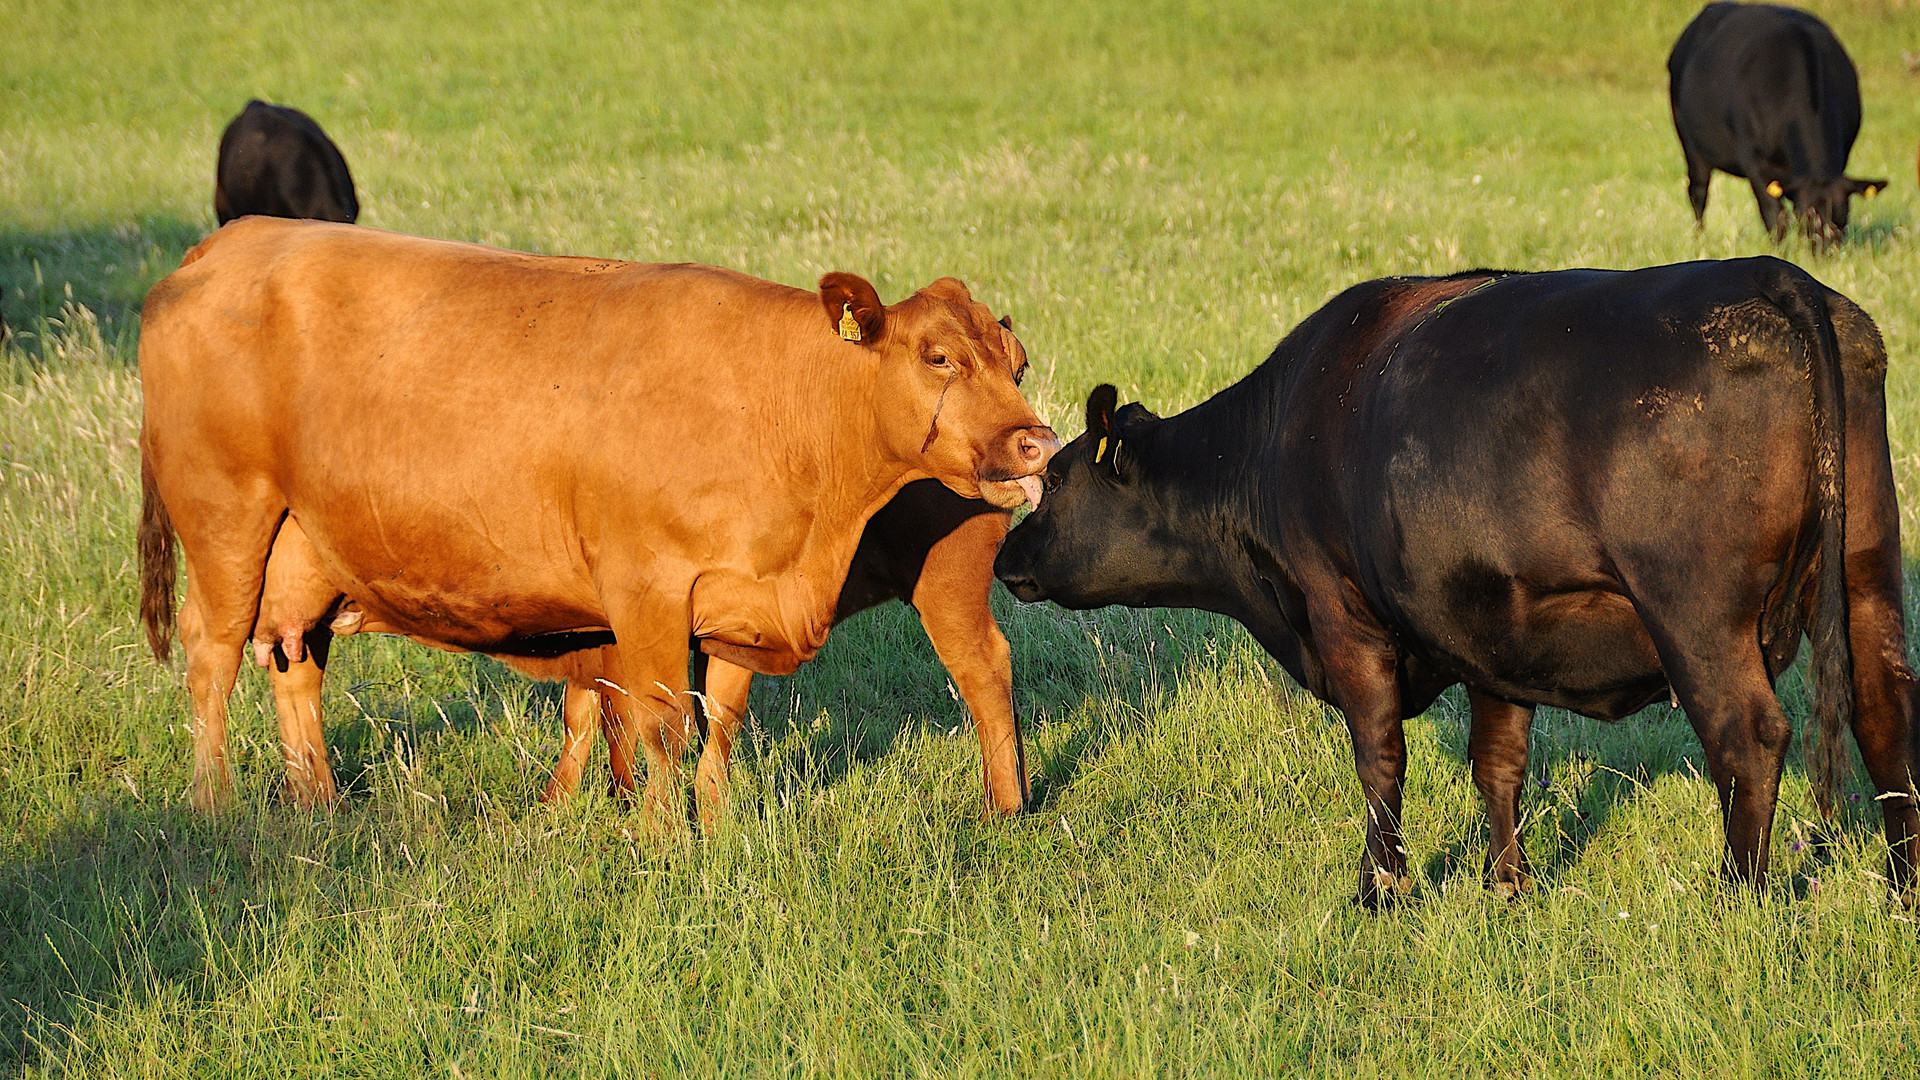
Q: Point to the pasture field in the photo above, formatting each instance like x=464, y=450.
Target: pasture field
x=1156, y=192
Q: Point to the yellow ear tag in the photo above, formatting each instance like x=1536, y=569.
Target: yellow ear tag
x=1100, y=451
x=849, y=326
x=1872, y=191
x=1774, y=189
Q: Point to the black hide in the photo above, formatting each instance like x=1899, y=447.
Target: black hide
x=1767, y=93
x=1587, y=489
x=276, y=161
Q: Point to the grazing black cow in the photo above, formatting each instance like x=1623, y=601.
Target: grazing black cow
x=1767, y=93
x=276, y=161
x=1586, y=489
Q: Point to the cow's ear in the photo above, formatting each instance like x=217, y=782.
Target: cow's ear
x=1006, y=323
x=854, y=310
x=1130, y=418
x=1128, y=424
x=1100, y=406
x=1869, y=188
x=949, y=289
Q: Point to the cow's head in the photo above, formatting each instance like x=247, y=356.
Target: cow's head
x=1109, y=531
x=948, y=397
x=1825, y=205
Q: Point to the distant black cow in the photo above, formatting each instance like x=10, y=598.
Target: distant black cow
x=1767, y=93
x=1586, y=489
x=276, y=161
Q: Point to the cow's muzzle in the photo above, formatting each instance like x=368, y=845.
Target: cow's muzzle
x=1013, y=476
x=1014, y=567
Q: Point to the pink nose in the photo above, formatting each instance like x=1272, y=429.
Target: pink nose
x=1036, y=445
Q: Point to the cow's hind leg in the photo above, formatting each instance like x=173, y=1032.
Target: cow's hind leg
x=581, y=709
x=291, y=638
x=1886, y=702
x=223, y=596
x=296, y=698
x=1498, y=749
x=212, y=636
x=1721, y=681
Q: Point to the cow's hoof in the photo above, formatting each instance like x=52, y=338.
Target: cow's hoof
x=211, y=789
x=1381, y=888
x=311, y=799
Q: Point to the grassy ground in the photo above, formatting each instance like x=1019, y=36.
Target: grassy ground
x=1155, y=192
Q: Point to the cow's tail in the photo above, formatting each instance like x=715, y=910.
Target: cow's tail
x=156, y=565
x=1799, y=298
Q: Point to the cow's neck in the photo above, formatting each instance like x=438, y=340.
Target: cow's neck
x=848, y=476
x=1204, y=460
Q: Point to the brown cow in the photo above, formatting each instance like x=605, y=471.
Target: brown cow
x=929, y=547
x=499, y=452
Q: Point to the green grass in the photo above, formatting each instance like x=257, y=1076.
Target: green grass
x=1156, y=192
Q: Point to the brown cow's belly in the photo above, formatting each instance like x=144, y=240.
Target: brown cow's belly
x=307, y=583
x=474, y=618
x=769, y=626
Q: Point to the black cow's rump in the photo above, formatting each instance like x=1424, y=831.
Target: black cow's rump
x=1767, y=93
x=1586, y=489
x=275, y=161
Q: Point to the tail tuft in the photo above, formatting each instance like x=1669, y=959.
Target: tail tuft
x=156, y=566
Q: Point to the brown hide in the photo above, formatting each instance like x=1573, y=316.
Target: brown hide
x=927, y=546
x=481, y=447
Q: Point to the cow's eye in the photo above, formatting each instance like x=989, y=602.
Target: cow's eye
x=938, y=361
x=1051, y=480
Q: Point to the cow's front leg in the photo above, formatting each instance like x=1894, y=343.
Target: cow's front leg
x=1699, y=179
x=1773, y=215
x=1498, y=748
x=1360, y=672
x=724, y=689
x=1380, y=759
x=952, y=599
x=648, y=708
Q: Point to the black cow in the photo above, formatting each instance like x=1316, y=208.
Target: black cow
x=274, y=160
x=1588, y=489
x=1767, y=93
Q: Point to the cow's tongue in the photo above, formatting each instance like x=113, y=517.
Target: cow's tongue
x=1030, y=485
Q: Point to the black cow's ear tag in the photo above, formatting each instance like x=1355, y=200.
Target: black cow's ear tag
x=1774, y=189
x=849, y=326
x=1100, y=452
